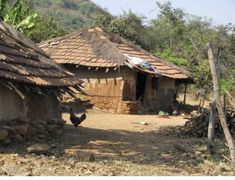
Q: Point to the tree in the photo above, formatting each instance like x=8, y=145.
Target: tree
x=128, y=25
x=19, y=14
x=116, y=25
x=180, y=38
x=46, y=28
x=22, y=15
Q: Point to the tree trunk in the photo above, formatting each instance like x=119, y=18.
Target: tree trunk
x=217, y=98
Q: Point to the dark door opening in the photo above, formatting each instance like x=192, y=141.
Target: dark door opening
x=140, y=86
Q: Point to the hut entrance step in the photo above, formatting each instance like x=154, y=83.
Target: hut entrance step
x=130, y=107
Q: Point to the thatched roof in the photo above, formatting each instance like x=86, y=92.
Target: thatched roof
x=93, y=47
x=24, y=62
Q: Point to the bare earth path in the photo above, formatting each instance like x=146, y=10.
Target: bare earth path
x=120, y=144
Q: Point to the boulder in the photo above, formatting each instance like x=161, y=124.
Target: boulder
x=39, y=148
x=3, y=134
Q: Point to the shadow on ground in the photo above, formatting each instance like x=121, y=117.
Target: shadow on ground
x=141, y=148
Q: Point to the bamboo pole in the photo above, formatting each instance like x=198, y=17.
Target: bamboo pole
x=219, y=105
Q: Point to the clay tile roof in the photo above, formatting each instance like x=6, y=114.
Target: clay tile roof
x=23, y=61
x=95, y=47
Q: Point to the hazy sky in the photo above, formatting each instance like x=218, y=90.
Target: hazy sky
x=221, y=11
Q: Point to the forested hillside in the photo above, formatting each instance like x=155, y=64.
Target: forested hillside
x=72, y=14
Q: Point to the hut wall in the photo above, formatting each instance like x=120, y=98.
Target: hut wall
x=115, y=91
x=11, y=105
x=110, y=91
x=43, y=107
x=159, y=93
x=36, y=117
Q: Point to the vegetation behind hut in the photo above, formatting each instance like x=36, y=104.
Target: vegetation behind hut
x=182, y=44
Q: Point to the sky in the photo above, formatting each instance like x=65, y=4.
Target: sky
x=221, y=11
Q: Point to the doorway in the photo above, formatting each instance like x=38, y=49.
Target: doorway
x=140, y=86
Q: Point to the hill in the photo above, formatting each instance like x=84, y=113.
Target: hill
x=70, y=14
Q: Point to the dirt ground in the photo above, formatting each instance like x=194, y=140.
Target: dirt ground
x=121, y=147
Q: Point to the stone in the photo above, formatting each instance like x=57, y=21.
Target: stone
x=3, y=134
x=91, y=158
x=86, y=156
x=8, y=128
x=143, y=123
x=22, y=130
x=31, y=132
x=52, y=121
x=3, y=122
x=59, y=132
x=41, y=129
x=6, y=141
x=52, y=128
x=61, y=122
x=36, y=122
x=12, y=122
x=39, y=148
x=41, y=137
x=23, y=119
x=18, y=139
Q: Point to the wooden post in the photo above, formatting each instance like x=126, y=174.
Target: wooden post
x=185, y=92
x=211, y=127
x=217, y=98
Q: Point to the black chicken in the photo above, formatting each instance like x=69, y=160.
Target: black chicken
x=76, y=120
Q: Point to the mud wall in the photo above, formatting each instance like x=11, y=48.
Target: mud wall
x=115, y=91
x=11, y=105
x=36, y=117
x=159, y=93
x=109, y=91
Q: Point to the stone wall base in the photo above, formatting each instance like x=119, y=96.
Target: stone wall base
x=21, y=129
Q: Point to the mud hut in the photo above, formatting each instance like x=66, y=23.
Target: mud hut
x=119, y=76
x=30, y=87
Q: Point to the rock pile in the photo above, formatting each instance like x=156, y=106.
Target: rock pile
x=20, y=129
